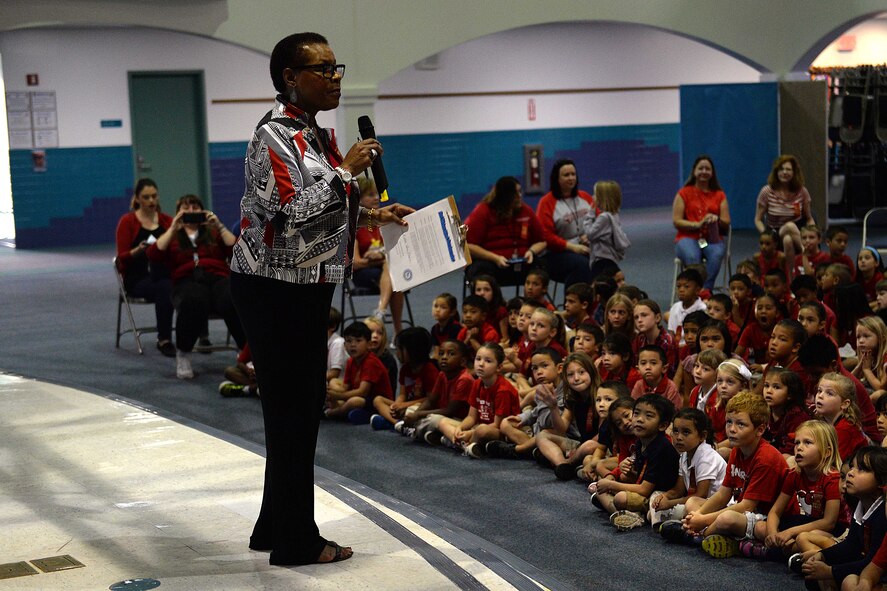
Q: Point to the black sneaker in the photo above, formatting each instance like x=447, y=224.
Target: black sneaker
x=501, y=449
x=166, y=348
x=565, y=471
x=673, y=531
x=432, y=437
x=541, y=459
x=795, y=562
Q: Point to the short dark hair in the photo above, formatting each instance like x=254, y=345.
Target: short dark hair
x=620, y=388
x=592, y=329
x=834, y=231
x=697, y=317
x=604, y=287
x=416, y=341
x=742, y=278
x=818, y=351
x=803, y=282
x=799, y=335
x=551, y=353
x=619, y=344
x=542, y=274
x=776, y=273
x=476, y=301
x=724, y=300
x=699, y=419
x=872, y=458
x=357, y=330
x=654, y=349
x=690, y=275
x=514, y=304
x=335, y=318
x=662, y=405
x=633, y=292
x=581, y=290
x=820, y=309
x=290, y=52
x=881, y=404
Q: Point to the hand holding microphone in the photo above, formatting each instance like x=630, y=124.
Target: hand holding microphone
x=367, y=131
x=361, y=156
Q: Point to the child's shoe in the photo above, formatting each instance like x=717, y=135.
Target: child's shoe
x=451, y=444
x=501, y=449
x=432, y=437
x=596, y=501
x=795, y=562
x=673, y=531
x=476, y=450
x=399, y=427
x=359, y=416
x=183, y=366
x=626, y=520
x=380, y=423
x=232, y=390
x=565, y=471
x=719, y=546
x=753, y=549
x=540, y=458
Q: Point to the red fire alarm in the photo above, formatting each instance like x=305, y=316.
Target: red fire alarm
x=531, y=109
x=33, y=79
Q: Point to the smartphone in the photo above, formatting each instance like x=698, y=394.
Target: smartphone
x=194, y=217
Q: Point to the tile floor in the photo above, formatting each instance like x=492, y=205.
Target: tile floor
x=131, y=494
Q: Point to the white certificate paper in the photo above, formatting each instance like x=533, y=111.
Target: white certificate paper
x=430, y=246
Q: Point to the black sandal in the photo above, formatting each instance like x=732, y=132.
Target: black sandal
x=338, y=557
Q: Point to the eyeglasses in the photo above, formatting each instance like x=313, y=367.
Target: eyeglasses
x=328, y=71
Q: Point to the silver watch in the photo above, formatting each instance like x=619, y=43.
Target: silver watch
x=343, y=174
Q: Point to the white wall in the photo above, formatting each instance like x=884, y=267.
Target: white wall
x=563, y=56
x=87, y=68
x=871, y=46
x=7, y=222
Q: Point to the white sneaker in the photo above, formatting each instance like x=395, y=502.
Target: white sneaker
x=183, y=366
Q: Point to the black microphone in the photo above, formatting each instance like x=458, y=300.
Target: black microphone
x=367, y=131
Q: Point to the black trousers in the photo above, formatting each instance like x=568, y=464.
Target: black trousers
x=158, y=291
x=195, y=298
x=285, y=327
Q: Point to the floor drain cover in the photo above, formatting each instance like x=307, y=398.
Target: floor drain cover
x=135, y=585
x=57, y=563
x=11, y=570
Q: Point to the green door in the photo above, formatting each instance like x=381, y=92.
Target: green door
x=168, y=113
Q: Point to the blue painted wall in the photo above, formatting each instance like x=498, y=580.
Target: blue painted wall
x=738, y=126
x=84, y=191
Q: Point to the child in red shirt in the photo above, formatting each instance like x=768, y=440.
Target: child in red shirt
x=448, y=397
x=365, y=378
x=476, y=330
x=755, y=339
x=836, y=240
x=811, y=256
x=418, y=373
x=652, y=367
x=834, y=404
x=615, y=361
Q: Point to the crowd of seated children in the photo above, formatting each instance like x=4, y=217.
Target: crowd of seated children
x=648, y=326
x=518, y=353
x=602, y=454
x=366, y=377
x=733, y=377
x=547, y=415
x=418, y=374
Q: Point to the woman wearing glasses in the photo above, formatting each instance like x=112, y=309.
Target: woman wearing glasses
x=299, y=216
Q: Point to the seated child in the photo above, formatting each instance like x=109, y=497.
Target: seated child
x=785, y=341
x=588, y=339
x=749, y=268
x=449, y=396
x=240, y=379
x=652, y=466
x=615, y=361
x=536, y=288
x=577, y=304
x=701, y=469
x=836, y=240
x=365, y=378
x=580, y=380
x=488, y=288
x=514, y=335
x=476, y=329
x=810, y=499
x=547, y=415
x=602, y=454
x=871, y=349
x=865, y=481
x=805, y=290
x=869, y=271
x=418, y=374
x=811, y=255
x=336, y=356
x=755, y=340
x=541, y=332
x=683, y=377
x=647, y=324
x=720, y=307
x=619, y=316
x=705, y=376
x=879, y=306
x=753, y=481
x=604, y=287
x=783, y=391
x=768, y=257
x=491, y=399
x=743, y=298
x=688, y=285
x=379, y=346
x=733, y=378
x=776, y=285
x=445, y=311
x=835, y=405
x=652, y=367
x=835, y=276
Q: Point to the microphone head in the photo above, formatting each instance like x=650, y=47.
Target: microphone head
x=364, y=124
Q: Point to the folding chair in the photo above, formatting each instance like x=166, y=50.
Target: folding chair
x=874, y=230
x=125, y=302
x=351, y=291
x=726, y=268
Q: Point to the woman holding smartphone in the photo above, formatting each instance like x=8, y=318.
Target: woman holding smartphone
x=196, y=249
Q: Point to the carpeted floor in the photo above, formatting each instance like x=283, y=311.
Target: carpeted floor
x=57, y=316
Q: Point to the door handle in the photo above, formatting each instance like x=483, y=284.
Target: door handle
x=141, y=164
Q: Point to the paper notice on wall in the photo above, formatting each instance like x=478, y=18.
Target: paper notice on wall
x=32, y=120
x=46, y=138
x=21, y=140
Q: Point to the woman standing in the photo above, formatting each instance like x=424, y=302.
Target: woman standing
x=700, y=213
x=561, y=212
x=300, y=212
x=786, y=203
x=136, y=231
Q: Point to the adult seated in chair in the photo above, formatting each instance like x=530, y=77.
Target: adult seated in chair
x=561, y=212
x=370, y=265
x=504, y=235
x=786, y=204
x=700, y=213
x=137, y=230
x=195, y=248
